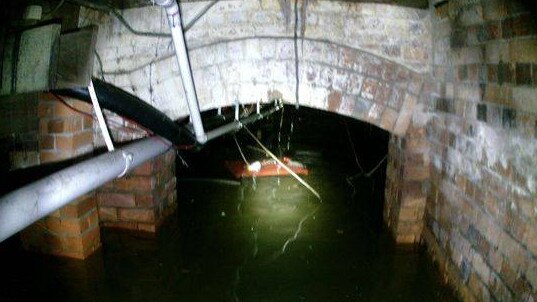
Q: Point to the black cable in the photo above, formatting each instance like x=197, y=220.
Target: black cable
x=118, y=16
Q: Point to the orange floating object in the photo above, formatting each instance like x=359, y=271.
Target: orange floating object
x=265, y=168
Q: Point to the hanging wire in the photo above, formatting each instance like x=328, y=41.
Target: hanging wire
x=119, y=17
x=55, y=9
x=353, y=150
x=240, y=150
x=368, y=174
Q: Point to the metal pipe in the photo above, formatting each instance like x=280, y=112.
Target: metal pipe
x=236, y=125
x=174, y=20
x=39, y=199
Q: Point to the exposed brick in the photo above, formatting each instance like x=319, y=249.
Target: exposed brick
x=334, y=100
x=130, y=226
x=388, y=119
x=79, y=207
x=133, y=184
x=108, y=214
x=136, y=215
x=369, y=88
x=66, y=125
x=145, y=201
x=85, y=244
x=121, y=200
x=46, y=142
x=146, y=169
x=54, y=156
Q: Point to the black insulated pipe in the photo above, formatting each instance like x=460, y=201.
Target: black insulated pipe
x=127, y=105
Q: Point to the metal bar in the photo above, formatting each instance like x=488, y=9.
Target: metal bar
x=100, y=117
x=236, y=125
x=28, y=204
x=174, y=20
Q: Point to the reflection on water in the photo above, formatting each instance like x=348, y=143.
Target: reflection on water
x=226, y=245
x=269, y=239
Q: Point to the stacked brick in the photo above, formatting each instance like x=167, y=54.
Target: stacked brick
x=142, y=200
x=72, y=231
x=64, y=133
x=482, y=204
x=407, y=177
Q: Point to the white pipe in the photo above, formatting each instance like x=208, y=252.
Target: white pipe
x=39, y=199
x=174, y=20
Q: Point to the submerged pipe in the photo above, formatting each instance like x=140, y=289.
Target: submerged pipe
x=125, y=104
x=39, y=199
x=174, y=20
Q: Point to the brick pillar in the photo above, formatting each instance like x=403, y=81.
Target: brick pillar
x=143, y=199
x=72, y=231
x=406, y=185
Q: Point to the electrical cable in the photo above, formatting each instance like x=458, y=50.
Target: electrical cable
x=120, y=18
x=198, y=16
x=376, y=167
x=353, y=150
x=240, y=150
x=132, y=130
x=55, y=9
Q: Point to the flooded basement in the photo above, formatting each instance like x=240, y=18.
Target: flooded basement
x=262, y=239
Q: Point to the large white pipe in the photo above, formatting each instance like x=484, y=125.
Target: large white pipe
x=39, y=199
x=174, y=20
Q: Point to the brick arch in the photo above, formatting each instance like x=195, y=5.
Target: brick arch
x=362, y=60
x=332, y=77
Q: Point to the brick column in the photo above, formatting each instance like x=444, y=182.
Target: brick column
x=143, y=199
x=72, y=231
x=406, y=185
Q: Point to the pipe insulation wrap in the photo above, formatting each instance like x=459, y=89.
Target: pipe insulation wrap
x=37, y=200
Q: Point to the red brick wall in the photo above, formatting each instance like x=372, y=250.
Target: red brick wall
x=63, y=133
x=481, y=208
x=143, y=199
x=72, y=231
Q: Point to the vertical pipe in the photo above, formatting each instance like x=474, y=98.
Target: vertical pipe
x=174, y=20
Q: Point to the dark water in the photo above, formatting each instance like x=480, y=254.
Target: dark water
x=237, y=243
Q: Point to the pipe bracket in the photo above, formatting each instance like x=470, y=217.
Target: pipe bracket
x=129, y=158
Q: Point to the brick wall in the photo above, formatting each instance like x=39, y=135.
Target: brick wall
x=73, y=231
x=244, y=50
x=142, y=200
x=407, y=178
x=482, y=203
x=64, y=134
